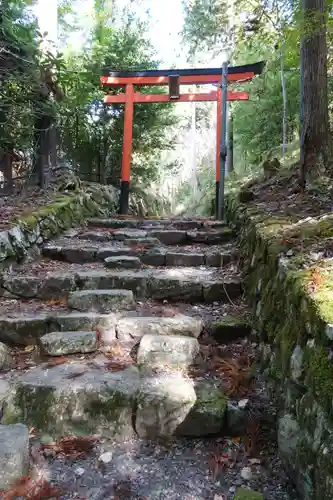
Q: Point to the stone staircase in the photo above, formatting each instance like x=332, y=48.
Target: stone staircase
x=118, y=323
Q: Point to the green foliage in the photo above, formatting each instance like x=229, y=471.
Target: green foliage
x=90, y=132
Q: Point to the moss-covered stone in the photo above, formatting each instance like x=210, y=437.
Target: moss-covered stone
x=243, y=494
x=229, y=328
x=290, y=286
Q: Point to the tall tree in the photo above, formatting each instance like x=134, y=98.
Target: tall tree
x=315, y=132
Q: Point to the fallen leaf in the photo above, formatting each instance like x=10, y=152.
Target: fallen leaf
x=117, y=366
x=57, y=302
x=73, y=446
x=29, y=348
x=32, y=489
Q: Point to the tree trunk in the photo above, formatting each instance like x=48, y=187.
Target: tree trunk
x=314, y=123
x=284, y=96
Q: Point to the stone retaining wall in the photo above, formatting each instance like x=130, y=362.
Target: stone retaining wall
x=33, y=229
x=290, y=284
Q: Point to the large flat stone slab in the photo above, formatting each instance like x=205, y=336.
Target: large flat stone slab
x=75, y=399
x=26, y=330
x=136, y=327
x=62, y=343
x=70, y=253
x=102, y=301
x=175, y=350
x=14, y=454
x=163, y=403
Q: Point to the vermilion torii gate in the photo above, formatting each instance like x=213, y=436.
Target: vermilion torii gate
x=174, y=78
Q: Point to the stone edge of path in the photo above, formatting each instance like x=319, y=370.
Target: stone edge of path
x=50, y=220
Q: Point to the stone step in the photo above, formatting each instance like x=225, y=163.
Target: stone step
x=173, y=236
x=147, y=224
x=27, y=330
x=167, y=350
x=80, y=398
x=101, y=301
x=128, y=328
x=154, y=257
x=187, y=284
x=123, y=261
x=62, y=343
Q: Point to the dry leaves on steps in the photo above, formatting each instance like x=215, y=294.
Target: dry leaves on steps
x=73, y=447
x=31, y=488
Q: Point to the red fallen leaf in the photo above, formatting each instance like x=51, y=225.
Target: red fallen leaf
x=57, y=302
x=98, y=335
x=117, y=366
x=73, y=446
x=32, y=489
x=139, y=248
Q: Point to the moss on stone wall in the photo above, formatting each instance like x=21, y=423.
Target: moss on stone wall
x=37, y=226
x=289, y=279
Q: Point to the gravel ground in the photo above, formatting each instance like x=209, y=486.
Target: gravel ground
x=181, y=470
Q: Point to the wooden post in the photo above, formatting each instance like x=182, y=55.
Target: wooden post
x=218, y=146
x=127, y=151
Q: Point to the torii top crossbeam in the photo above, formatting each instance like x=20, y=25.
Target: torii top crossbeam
x=174, y=78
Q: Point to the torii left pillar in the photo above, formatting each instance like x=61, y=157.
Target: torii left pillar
x=127, y=150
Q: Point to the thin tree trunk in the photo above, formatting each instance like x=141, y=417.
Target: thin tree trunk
x=284, y=97
x=314, y=123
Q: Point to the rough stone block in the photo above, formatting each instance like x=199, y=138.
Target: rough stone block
x=124, y=234
x=222, y=290
x=184, y=259
x=207, y=416
x=61, y=343
x=170, y=237
x=137, y=327
x=173, y=288
x=123, y=261
x=14, y=454
x=105, y=252
x=79, y=255
x=96, y=236
x=74, y=398
x=142, y=242
x=175, y=350
x=155, y=257
x=102, y=301
x=6, y=359
x=163, y=404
